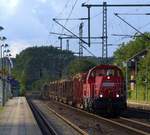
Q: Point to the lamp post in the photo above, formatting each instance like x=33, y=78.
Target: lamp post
x=125, y=64
x=5, y=50
x=9, y=72
x=8, y=68
x=3, y=38
x=7, y=75
x=2, y=70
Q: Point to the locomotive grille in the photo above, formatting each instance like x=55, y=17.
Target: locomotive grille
x=108, y=84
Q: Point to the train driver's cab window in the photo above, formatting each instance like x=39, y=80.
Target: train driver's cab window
x=93, y=74
x=105, y=72
x=110, y=72
x=101, y=72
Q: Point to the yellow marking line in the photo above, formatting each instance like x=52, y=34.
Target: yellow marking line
x=68, y=122
x=110, y=121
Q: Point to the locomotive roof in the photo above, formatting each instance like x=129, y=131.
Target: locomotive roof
x=106, y=66
x=103, y=67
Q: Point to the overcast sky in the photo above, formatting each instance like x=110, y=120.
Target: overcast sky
x=28, y=22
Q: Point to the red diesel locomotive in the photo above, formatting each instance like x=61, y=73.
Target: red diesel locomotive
x=101, y=89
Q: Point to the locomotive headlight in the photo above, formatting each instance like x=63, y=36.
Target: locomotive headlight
x=117, y=95
x=100, y=95
x=108, y=77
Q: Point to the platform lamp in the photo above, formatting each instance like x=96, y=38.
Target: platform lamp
x=1, y=28
x=8, y=55
x=3, y=38
x=4, y=56
x=3, y=51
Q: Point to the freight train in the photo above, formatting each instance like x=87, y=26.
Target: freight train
x=101, y=89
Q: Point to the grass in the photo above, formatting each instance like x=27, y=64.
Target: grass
x=1, y=109
x=139, y=95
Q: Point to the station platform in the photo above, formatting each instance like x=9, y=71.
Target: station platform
x=16, y=118
x=141, y=106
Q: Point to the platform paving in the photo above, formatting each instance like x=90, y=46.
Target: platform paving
x=142, y=106
x=17, y=119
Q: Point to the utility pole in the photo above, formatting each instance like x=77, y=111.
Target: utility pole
x=67, y=45
x=104, y=32
x=80, y=42
x=89, y=26
x=60, y=43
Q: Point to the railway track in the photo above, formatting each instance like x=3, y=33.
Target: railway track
x=42, y=121
x=131, y=126
x=45, y=122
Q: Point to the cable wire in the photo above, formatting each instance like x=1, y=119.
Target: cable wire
x=60, y=13
x=64, y=8
x=69, y=14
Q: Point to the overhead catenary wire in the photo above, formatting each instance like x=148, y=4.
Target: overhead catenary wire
x=141, y=27
x=133, y=13
x=85, y=21
x=70, y=13
x=60, y=34
x=81, y=19
x=87, y=1
x=145, y=25
x=69, y=31
x=74, y=19
x=64, y=8
x=126, y=35
x=132, y=27
x=61, y=12
x=94, y=16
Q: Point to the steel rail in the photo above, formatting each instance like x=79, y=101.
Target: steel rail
x=136, y=122
x=68, y=122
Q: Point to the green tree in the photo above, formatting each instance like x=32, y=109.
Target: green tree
x=79, y=66
x=129, y=49
x=37, y=64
